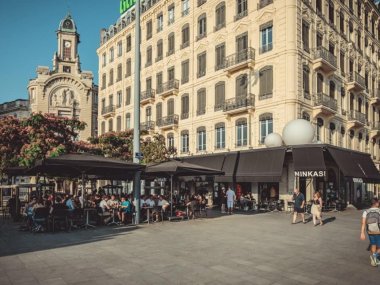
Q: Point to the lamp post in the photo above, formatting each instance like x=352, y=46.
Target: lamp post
x=136, y=122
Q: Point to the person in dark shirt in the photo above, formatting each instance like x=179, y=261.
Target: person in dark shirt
x=299, y=205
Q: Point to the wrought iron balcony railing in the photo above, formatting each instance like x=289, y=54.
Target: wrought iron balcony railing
x=239, y=102
x=322, y=99
x=240, y=57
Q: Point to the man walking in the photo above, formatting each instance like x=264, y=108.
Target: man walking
x=371, y=224
x=299, y=205
x=230, y=200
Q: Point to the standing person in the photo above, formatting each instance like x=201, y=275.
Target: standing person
x=299, y=205
x=316, y=209
x=230, y=200
x=371, y=224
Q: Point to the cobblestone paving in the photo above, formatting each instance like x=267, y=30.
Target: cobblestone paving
x=237, y=249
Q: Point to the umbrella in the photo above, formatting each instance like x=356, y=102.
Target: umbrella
x=81, y=164
x=175, y=168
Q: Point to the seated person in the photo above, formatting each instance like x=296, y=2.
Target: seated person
x=103, y=210
x=150, y=201
x=58, y=205
x=126, y=209
x=70, y=203
x=163, y=204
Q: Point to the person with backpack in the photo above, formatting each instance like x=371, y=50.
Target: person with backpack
x=371, y=224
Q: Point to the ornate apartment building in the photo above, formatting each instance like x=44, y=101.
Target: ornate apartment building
x=218, y=76
x=18, y=108
x=66, y=90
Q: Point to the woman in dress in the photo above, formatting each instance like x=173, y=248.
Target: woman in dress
x=316, y=209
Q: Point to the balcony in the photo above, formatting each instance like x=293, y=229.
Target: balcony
x=375, y=130
x=147, y=97
x=239, y=104
x=168, y=88
x=324, y=105
x=147, y=126
x=168, y=122
x=375, y=99
x=108, y=111
x=356, y=119
x=356, y=82
x=324, y=60
x=238, y=61
x=263, y=3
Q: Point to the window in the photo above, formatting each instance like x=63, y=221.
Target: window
x=148, y=56
x=319, y=40
x=266, y=82
x=201, y=65
x=171, y=74
x=266, y=126
x=359, y=38
x=110, y=100
x=112, y=54
x=242, y=47
x=66, y=50
x=201, y=139
x=319, y=83
x=103, y=103
x=110, y=125
x=170, y=107
x=158, y=113
x=129, y=68
x=318, y=7
x=119, y=72
x=104, y=80
x=220, y=56
x=241, y=85
x=118, y=123
x=220, y=16
x=220, y=136
x=319, y=129
x=341, y=22
x=171, y=44
x=220, y=89
x=332, y=89
x=266, y=43
x=331, y=133
x=103, y=128
x=201, y=101
x=128, y=96
x=331, y=48
x=306, y=82
x=341, y=61
x=119, y=48
x=306, y=116
x=170, y=140
x=184, y=141
x=119, y=99
x=202, y=26
x=241, y=132
x=160, y=50
x=185, y=36
x=129, y=43
x=148, y=114
x=305, y=36
x=128, y=121
x=185, y=71
x=171, y=14
x=185, y=106
x=241, y=9
x=149, y=29
x=185, y=7
x=331, y=13
x=111, y=77
x=159, y=81
x=104, y=59
x=148, y=84
x=160, y=22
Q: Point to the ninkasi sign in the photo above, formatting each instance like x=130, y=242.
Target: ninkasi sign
x=125, y=5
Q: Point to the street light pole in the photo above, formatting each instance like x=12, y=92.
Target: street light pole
x=136, y=113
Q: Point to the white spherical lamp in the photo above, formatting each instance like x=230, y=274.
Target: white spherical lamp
x=298, y=132
x=273, y=140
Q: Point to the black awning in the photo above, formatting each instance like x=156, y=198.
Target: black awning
x=211, y=161
x=261, y=165
x=228, y=168
x=308, y=158
x=355, y=164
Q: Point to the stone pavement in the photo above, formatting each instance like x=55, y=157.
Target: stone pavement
x=237, y=249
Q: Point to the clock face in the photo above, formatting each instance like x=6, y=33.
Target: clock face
x=67, y=44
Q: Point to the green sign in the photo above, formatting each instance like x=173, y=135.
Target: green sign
x=125, y=5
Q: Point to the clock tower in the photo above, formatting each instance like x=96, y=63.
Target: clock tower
x=66, y=59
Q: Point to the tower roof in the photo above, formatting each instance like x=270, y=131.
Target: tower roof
x=67, y=25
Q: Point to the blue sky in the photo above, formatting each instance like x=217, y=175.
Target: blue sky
x=28, y=38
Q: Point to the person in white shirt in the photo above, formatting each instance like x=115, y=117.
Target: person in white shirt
x=230, y=200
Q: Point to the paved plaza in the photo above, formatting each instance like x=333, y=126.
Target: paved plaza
x=237, y=249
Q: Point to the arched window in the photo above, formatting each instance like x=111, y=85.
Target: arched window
x=241, y=132
x=242, y=85
x=220, y=136
x=104, y=81
x=170, y=107
x=160, y=50
x=171, y=44
x=184, y=141
x=331, y=133
x=306, y=81
x=319, y=129
x=185, y=106
x=332, y=89
x=170, y=139
x=202, y=26
x=119, y=72
x=148, y=114
x=266, y=82
x=266, y=126
x=110, y=125
x=128, y=121
x=149, y=56
x=201, y=139
x=118, y=123
x=201, y=101
x=185, y=36
x=220, y=90
x=220, y=16
x=360, y=103
x=103, y=128
x=159, y=113
x=111, y=77
x=319, y=83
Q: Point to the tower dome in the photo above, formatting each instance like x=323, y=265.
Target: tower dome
x=67, y=25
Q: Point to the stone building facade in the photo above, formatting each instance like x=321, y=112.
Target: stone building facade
x=66, y=90
x=18, y=108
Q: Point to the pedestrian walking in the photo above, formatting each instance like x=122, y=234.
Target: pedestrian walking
x=316, y=209
x=371, y=225
x=299, y=205
x=230, y=200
